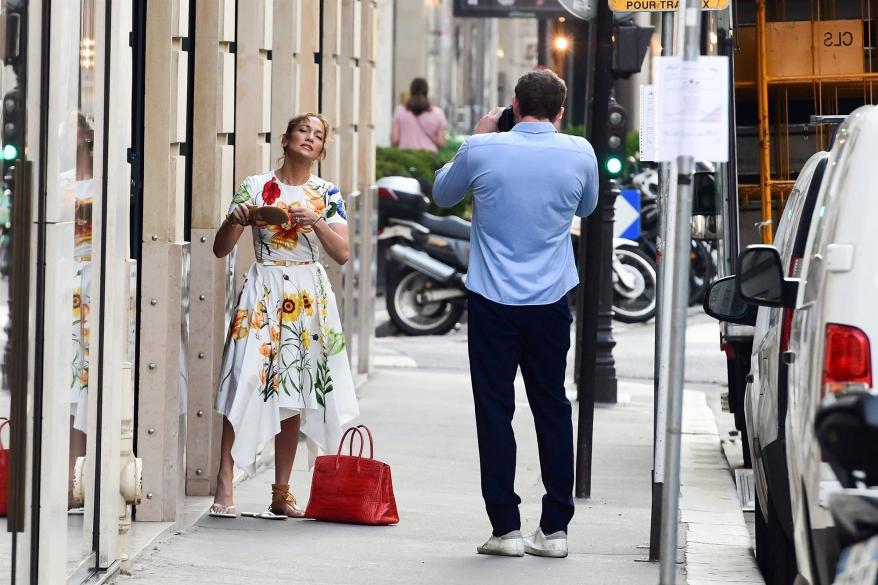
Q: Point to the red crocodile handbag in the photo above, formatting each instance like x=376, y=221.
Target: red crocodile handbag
x=352, y=489
x=4, y=472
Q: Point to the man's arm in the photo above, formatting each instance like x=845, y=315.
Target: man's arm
x=453, y=180
x=590, y=189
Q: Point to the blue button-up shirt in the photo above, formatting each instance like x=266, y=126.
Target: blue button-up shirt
x=527, y=185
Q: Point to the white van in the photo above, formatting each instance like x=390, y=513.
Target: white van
x=835, y=317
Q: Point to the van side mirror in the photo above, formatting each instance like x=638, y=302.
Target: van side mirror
x=761, y=278
x=722, y=302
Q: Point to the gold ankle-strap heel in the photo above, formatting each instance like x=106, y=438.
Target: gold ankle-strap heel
x=283, y=503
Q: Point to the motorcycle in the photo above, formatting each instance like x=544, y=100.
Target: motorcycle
x=425, y=259
x=635, y=280
x=847, y=430
x=702, y=262
x=634, y=283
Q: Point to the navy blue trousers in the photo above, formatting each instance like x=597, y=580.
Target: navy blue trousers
x=535, y=338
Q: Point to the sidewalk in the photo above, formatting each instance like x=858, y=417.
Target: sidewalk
x=423, y=424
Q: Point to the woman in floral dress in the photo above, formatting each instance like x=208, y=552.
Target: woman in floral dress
x=284, y=365
x=78, y=191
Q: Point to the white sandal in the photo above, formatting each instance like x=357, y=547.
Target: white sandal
x=267, y=515
x=220, y=511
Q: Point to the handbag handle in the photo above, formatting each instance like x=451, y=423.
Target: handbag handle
x=3, y=424
x=371, y=441
x=354, y=431
x=351, y=431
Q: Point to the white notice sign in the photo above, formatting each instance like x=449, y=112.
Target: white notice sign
x=692, y=109
x=647, y=123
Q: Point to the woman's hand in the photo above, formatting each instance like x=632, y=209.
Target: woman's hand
x=240, y=215
x=231, y=229
x=305, y=216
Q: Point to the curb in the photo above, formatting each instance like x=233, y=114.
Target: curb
x=718, y=547
x=197, y=508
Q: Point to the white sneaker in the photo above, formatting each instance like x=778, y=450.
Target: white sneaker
x=553, y=545
x=510, y=544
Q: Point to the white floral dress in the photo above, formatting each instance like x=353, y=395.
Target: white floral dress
x=285, y=353
x=81, y=194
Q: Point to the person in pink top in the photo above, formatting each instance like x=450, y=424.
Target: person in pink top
x=417, y=124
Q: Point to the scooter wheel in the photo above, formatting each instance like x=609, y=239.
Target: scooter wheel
x=415, y=318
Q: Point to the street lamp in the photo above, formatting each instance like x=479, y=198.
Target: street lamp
x=561, y=43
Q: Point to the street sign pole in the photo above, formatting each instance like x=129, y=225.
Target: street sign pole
x=662, y=328
x=596, y=376
x=689, y=18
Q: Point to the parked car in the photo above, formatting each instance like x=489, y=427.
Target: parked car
x=833, y=321
x=765, y=399
x=766, y=395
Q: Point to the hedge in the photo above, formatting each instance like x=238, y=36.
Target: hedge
x=422, y=165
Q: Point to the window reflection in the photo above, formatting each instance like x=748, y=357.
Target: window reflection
x=79, y=192
x=80, y=189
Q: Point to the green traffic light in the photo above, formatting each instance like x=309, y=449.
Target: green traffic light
x=10, y=152
x=614, y=165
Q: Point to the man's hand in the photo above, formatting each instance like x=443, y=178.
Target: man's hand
x=488, y=123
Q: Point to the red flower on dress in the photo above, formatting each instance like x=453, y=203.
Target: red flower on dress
x=270, y=192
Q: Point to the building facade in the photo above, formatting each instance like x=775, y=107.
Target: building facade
x=126, y=126
x=471, y=64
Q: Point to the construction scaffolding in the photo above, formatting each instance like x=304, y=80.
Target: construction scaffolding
x=795, y=59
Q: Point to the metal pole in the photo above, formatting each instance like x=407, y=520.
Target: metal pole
x=595, y=257
x=690, y=18
x=664, y=265
x=543, y=42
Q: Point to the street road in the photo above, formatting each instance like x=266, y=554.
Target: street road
x=634, y=351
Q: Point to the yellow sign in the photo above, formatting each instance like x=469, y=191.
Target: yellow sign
x=661, y=5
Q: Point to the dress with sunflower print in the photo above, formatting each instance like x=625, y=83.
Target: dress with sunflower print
x=81, y=193
x=285, y=353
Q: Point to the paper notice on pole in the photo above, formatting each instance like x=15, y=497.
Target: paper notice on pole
x=692, y=108
x=647, y=123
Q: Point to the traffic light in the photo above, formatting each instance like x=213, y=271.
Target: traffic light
x=617, y=136
x=630, y=42
x=704, y=198
x=13, y=126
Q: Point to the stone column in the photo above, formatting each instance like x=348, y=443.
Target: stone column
x=212, y=188
x=252, y=103
x=162, y=391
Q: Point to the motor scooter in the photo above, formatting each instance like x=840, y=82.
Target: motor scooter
x=423, y=259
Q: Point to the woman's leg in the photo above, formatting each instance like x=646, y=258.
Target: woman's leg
x=285, y=444
x=224, y=490
x=77, y=450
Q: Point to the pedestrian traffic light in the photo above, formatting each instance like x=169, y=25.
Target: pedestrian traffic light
x=13, y=125
x=617, y=123
x=630, y=42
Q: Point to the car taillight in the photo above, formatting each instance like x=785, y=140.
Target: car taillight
x=848, y=360
x=385, y=193
x=786, y=324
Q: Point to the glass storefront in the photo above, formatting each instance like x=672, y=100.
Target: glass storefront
x=51, y=108
x=96, y=183
x=15, y=249
x=78, y=190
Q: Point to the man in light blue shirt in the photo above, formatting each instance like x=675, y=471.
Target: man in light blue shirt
x=527, y=186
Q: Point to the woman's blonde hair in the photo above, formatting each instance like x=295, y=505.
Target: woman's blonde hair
x=303, y=118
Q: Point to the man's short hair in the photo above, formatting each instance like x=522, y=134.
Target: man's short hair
x=540, y=94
